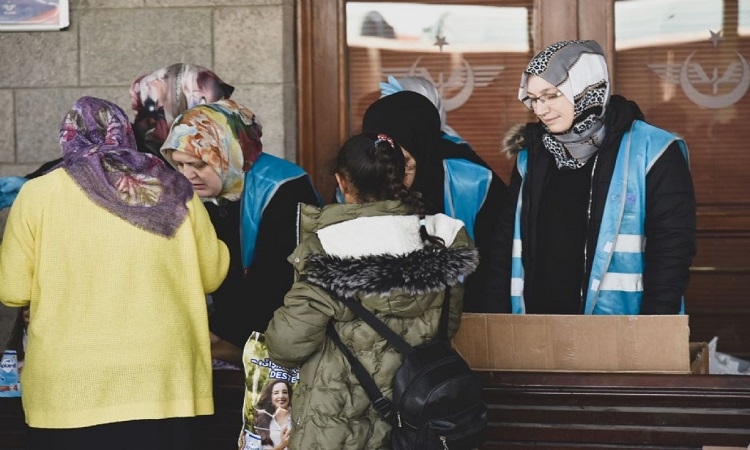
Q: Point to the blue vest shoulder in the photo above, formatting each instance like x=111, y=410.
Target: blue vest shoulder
x=262, y=181
x=466, y=187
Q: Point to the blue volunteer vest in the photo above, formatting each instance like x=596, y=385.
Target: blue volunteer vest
x=616, y=280
x=454, y=138
x=262, y=181
x=466, y=186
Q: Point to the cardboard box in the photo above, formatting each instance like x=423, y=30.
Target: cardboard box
x=711, y=447
x=699, y=358
x=576, y=343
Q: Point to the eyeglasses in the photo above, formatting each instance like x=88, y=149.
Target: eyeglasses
x=546, y=99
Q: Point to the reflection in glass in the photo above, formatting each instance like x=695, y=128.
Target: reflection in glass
x=667, y=22
x=473, y=54
x=417, y=26
x=686, y=64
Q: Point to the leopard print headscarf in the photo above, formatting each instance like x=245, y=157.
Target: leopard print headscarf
x=579, y=70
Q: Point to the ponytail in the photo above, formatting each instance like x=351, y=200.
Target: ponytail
x=375, y=166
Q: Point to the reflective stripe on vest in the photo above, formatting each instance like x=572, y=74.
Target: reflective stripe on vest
x=517, y=304
x=261, y=183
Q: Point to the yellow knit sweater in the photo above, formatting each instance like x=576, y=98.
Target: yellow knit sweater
x=119, y=327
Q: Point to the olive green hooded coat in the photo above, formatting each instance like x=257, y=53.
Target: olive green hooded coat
x=374, y=254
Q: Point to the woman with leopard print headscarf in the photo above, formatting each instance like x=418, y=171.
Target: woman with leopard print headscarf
x=603, y=220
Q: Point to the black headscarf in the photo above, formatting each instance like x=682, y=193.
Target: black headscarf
x=413, y=121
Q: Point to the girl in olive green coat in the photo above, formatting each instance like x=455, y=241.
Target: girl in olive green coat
x=377, y=249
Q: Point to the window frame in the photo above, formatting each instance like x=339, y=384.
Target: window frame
x=321, y=66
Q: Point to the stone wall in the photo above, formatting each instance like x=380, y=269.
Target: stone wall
x=248, y=43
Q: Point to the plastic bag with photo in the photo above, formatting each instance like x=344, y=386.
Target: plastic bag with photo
x=267, y=408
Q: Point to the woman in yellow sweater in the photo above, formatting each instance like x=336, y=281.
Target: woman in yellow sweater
x=114, y=253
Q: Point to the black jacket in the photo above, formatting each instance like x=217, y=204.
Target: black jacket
x=484, y=229
x=246, y=302
x=669, y=227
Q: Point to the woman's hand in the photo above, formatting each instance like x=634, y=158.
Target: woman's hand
x=285, y=432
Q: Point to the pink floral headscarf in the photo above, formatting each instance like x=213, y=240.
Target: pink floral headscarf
x=159, y=97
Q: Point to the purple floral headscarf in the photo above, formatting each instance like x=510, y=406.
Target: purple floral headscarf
x=99, y=153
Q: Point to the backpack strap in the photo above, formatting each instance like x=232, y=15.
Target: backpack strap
x=394, y=339
x=382, y=404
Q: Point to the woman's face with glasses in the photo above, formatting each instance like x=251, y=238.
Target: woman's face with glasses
x=549, y=104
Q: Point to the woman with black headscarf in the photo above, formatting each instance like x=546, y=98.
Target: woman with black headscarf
x=451, y=177
x=605, y=216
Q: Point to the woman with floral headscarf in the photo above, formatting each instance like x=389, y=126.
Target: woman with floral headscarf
x=252, y=199
x=604, y=221
x=114, y=253
x=157, y=98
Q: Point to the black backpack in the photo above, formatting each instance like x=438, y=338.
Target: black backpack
x=437, y=399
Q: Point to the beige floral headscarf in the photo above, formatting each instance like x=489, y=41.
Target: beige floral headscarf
x=224, y=135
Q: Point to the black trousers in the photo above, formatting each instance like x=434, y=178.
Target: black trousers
x=163, y=434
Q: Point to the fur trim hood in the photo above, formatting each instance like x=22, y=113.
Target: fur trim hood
x=375, y=250
x=430, y=269
x=514, y=140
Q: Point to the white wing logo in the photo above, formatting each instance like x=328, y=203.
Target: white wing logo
x=689, y=74
x=465, y=78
